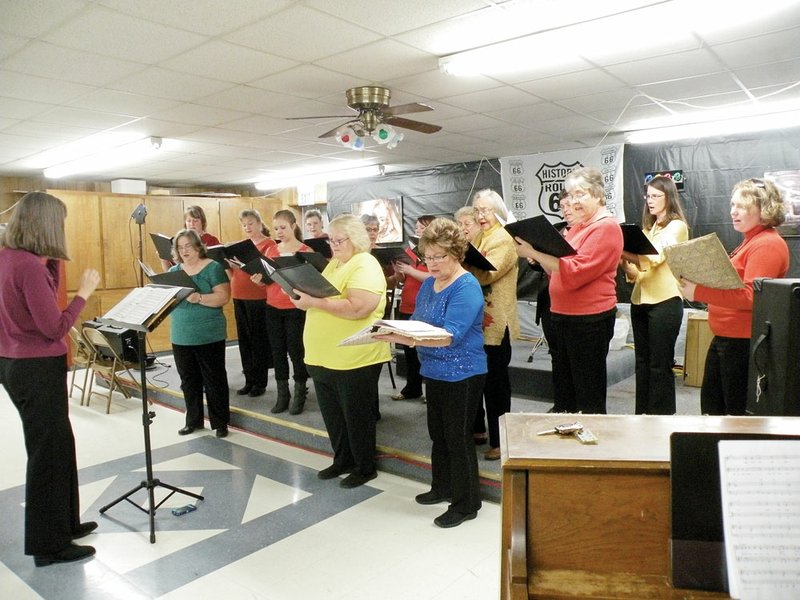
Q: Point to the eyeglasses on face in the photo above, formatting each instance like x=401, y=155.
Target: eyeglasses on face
x=372, y=229
x=653, y=196
x=434, y=260
x=484, y=211
x=185, y=247
x=576, y=196
x=337, y=243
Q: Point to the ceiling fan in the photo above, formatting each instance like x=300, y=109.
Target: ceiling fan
x=372, y=104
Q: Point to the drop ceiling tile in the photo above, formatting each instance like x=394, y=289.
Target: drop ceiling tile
x=382, y=60
x=9, y=44
x=169, y=84
x=784, y=72
x=493, y=99
x=762, y=49
x=222, y=60
x=196, y=114
x=532, y=114
x=32, y=18
x=617, y=99
x=14, y=108
x=127, y=103
x=39, y=89
x=248, y=99
x=745, y=23
x=468, y=123
x=79, y=117
x=326, y=35
x=108, y=33
x=308, y=81
x=53, y=132
x=395, y=17
x=206, y=17
x=667, y=67
x=435, y=84
x=701, y=85
x=56, y=62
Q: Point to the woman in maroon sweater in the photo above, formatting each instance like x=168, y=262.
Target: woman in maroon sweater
x=756, y=209
x=33, y=369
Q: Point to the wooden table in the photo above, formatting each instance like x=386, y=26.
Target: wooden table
x=594, y=521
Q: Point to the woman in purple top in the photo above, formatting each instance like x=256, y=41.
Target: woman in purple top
x=33, y=369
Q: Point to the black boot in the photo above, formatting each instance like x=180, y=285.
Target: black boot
x=283, y=397
x=299, y=400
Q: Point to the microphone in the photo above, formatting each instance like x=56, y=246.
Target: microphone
x=139, y=213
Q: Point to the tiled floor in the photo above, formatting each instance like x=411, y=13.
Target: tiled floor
x=268, y=529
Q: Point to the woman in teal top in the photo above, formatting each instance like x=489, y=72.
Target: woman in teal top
x=454, y=370
x=197, y=333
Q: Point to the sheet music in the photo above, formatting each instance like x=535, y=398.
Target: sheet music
x=760, y=485
x=141, y=304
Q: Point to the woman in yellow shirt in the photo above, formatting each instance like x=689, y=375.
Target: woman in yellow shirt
x=656, y=301
x=346, y=378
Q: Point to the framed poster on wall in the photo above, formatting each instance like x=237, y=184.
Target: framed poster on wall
x=389, y=215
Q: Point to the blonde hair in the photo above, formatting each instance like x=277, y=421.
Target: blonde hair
x=37, y=225
x=252, y=213
x=354, y=228
x=498, y=206
x=765, y=196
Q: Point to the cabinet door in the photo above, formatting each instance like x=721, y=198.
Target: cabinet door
x=120, y=241
x=84, y=237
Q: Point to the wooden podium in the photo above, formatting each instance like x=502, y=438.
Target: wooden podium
x=594, y=521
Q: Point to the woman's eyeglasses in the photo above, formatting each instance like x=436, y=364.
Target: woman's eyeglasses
x=434, y=260
x=337, y=243
x=653, y=196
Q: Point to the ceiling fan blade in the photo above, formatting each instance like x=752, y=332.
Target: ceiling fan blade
x=413, y=125
x=405, y=109
x=318, y=117
x=333, y=131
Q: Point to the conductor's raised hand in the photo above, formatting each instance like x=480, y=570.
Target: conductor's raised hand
x=90, y=279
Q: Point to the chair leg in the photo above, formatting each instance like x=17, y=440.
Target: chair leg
x=88, y=392
x=391, y=375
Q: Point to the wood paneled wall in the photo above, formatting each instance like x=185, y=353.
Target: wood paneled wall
x=102, y=235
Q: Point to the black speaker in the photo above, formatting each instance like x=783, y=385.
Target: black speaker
x=773, y=387
x=123, y=341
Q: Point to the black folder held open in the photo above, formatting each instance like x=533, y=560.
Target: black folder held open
x=635, y=241
x=243, y=252
x=540, y=233
x=301, y=276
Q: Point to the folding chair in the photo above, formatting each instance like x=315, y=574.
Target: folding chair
x=82, y=356
x=106, y=364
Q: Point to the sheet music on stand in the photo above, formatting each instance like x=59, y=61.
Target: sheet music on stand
x=144, y=303
x=760, y=487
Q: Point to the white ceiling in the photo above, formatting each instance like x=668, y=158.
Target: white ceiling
x=221, y=77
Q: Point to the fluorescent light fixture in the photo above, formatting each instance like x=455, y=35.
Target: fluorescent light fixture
x=726, y=121
x=134, y=152
x=305, y=179
x=603, y=33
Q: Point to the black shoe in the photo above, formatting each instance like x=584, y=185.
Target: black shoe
x=256, y=392
x=431, y=498
x=187, y=430
x=245, y=390
x=84, y=529
x=356, y=479
x=69, y=554
x=222, y=431
x=453, y=519
x=331, y=472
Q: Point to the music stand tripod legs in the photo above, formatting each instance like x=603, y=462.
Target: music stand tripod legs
x=151, y=483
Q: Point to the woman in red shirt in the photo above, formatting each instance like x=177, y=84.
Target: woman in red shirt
x=412, y=273
x=756, y=209
x=286, y=321
x=250, y=312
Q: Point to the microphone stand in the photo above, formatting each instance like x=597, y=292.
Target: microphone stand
x=138, y=215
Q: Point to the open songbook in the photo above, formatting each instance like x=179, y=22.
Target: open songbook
x=417, y=330
x=177, y=278
x=540, y=233
x=703, y=261
x=145, y=307
x=301, y=276
x=242, y=252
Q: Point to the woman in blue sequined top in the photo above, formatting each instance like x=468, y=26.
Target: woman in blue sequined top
x=454, y=370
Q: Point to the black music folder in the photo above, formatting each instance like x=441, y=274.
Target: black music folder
x=387, y=255
x=315, y=259
x=302, y=276
x=697, y=541
x=243, y=252
x=635, y=241
x=320, y=245
x=540, y=233
x=163, y=246
x=178, y=278
x=474, y=258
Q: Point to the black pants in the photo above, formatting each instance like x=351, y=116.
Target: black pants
x=496, y=390
x=579, y=361
x=254, y=343
x=286, y=337
x=724, y=390
x=202, y=369
x=454, y=464
x=347, y=403
x=38, y=388
x=655, y=329
x=413, y=387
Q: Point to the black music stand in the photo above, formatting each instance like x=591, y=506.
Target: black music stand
x=147, y=415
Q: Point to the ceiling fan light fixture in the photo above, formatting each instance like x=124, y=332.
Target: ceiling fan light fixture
x=350, y=139
x=384, y=134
